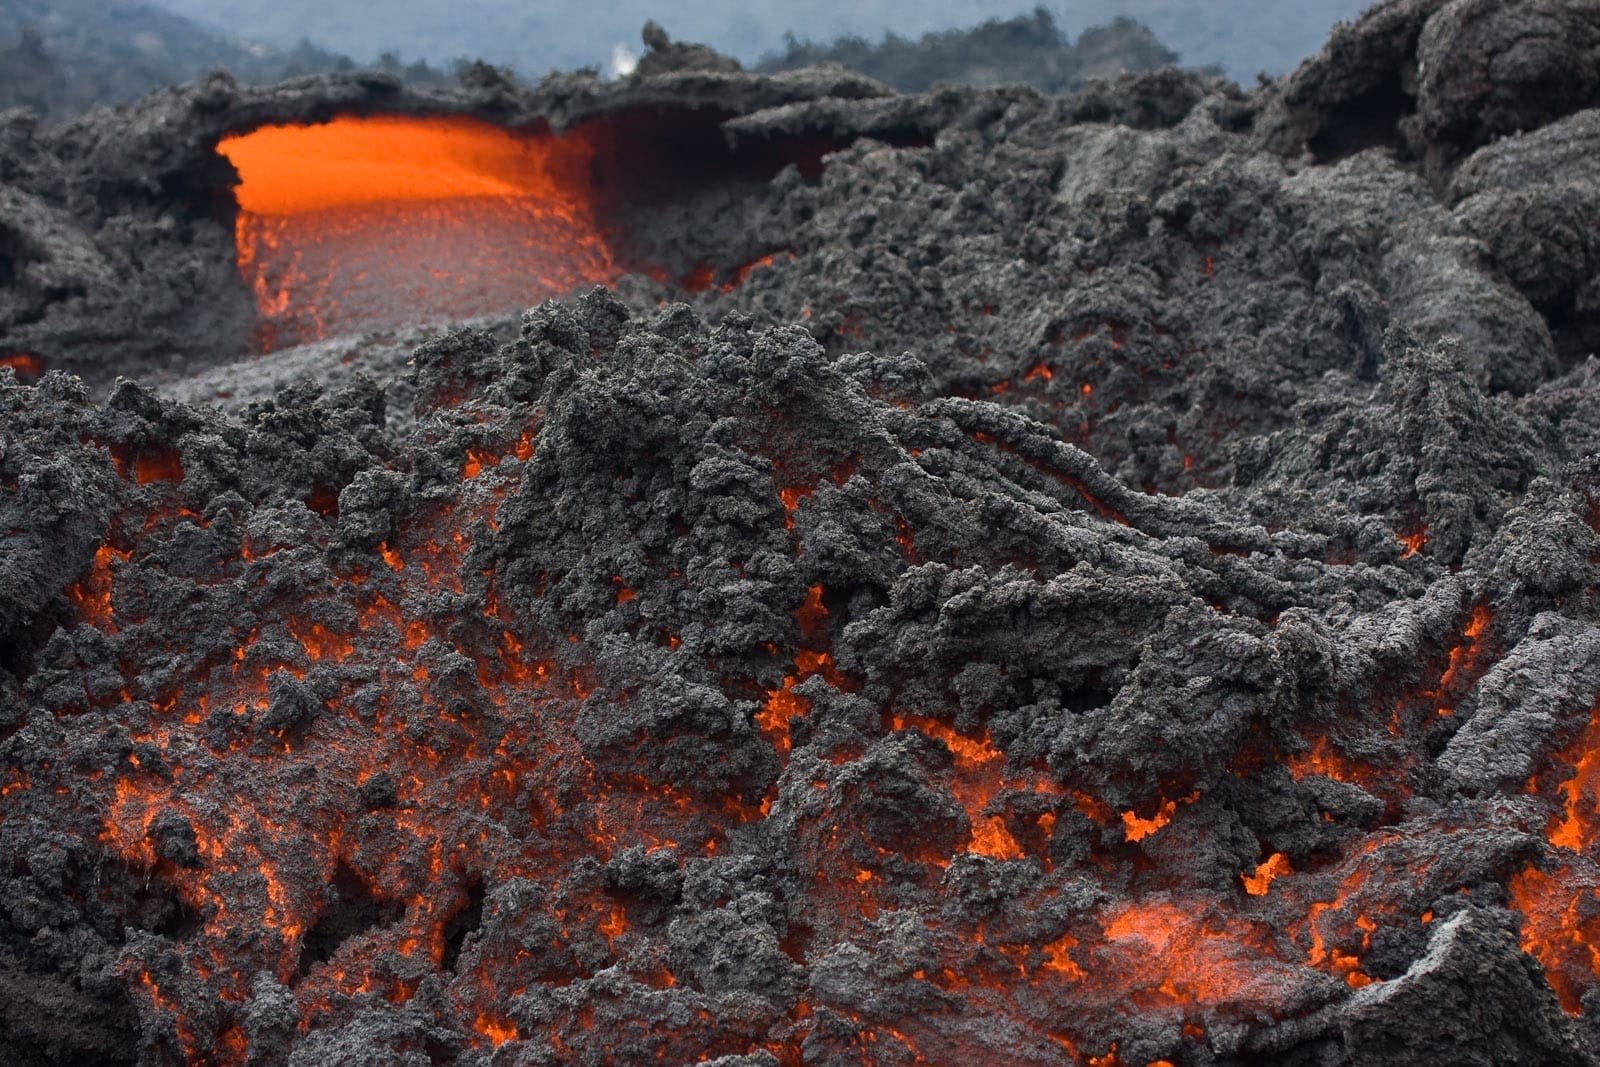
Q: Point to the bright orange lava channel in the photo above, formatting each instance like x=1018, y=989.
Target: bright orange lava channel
x=458, y=216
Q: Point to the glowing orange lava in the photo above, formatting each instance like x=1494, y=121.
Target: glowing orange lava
x=784, y=704
x=978, y=778
x=1468, y=651
x=159, y=467
x=28, y=366
x=498, y=1031
x=1257, y=884
x=1324, y=760
x=1171, y=953
x=92, y=593
x=1414, y=540
x=1137, y=829
x=383, y=221
x=1561, y=909
x=499, y=791
x=741, y=273
x=1577, y=826
x=1560, y=929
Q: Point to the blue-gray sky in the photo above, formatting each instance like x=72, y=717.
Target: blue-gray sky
x=532, y=36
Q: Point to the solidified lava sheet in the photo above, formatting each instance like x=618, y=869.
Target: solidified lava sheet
x=1107, y=579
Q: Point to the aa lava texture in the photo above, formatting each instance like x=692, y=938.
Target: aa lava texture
x=1105, y=579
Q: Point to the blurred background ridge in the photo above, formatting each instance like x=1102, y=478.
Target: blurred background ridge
x=62, y=56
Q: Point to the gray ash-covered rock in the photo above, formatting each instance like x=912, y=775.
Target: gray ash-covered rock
x=1473, y=998
x=1107, y=578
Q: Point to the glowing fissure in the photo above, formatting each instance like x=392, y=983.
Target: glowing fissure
x=1561, y=906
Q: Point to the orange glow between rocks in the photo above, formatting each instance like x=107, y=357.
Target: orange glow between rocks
x=29, y=367
x=783, y=704
x=1560, y=929
x=1561, y=908
x=1414, y=541
x=161, y=467
x=1185, y=957
x=1057, y=960
x=1576, y=827
x=1323, y=759
x=1137, y=829
x=498, y=1031
x=1274, y=865
x=1169, y=953
x=237, y=849
x=742, y=273
x=991, y=838
x=92, y=593
x=791, y=497
x=977, y=780
x=1327, y=924
x=1467, y=653
x=811, y=614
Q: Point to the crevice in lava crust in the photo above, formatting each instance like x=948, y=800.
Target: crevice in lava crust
x=355, y=909
x=463, y=924
x=1371, y=120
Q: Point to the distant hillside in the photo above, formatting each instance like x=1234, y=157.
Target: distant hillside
x=1241, y=36
x=61, y=57
x=1028, y=48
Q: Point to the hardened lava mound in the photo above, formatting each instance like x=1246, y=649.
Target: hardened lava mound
x=1107, y=579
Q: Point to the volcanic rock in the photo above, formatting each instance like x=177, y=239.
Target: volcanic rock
x=1104, y=578
x=1471, y=999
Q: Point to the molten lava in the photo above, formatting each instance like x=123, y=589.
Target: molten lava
x=29, y=367
x=383, y=221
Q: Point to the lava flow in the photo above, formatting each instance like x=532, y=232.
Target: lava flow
x=380, y=221
x=1111, y=580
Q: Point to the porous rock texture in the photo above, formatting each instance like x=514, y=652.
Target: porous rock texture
x=1116, y=586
